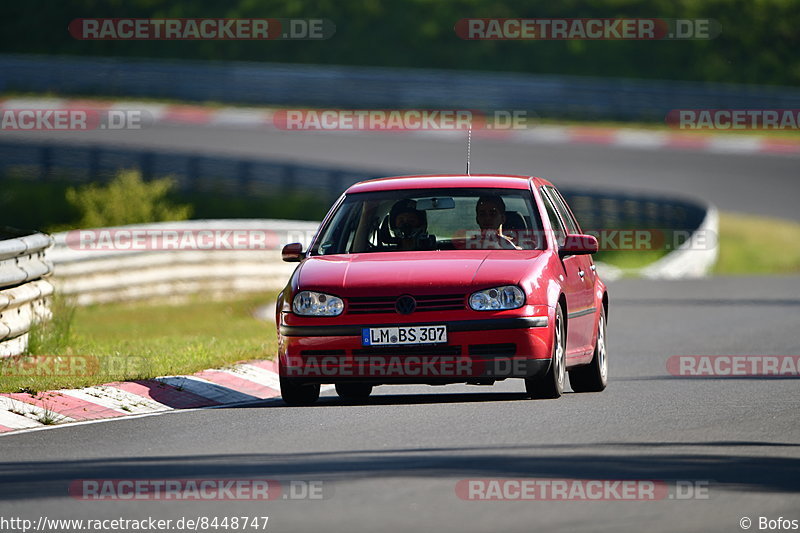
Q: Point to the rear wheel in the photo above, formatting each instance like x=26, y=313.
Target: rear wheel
x=551, y=384
x=594, y=376
x=294, y=393
x=353, y=391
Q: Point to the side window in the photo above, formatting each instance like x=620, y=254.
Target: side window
x=555, y=221
x=338, y=236
x=563, y=210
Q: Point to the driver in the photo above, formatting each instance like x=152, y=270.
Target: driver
x=408, y=223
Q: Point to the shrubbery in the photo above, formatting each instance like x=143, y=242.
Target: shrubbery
x=127, y=199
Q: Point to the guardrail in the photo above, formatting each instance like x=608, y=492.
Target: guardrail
x=692, y=259
x=284, y=84
x=204, y=266
x=24, y=293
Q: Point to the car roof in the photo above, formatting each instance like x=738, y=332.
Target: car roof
x=446, y=181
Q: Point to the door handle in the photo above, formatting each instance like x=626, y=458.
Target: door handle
x=581, y=273
x=594, y=268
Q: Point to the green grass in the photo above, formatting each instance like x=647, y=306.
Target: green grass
x=104, y=343
x=757, y=245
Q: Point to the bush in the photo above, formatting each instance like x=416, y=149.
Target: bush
x=127, y=199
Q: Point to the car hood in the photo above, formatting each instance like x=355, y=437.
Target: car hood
x=376, y=274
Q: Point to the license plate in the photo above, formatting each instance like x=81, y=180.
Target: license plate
x=401, y=335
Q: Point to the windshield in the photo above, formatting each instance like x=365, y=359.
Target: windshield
x=432, y=219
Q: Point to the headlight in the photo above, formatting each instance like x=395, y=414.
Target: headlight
x=308, y=303
x=497, y=298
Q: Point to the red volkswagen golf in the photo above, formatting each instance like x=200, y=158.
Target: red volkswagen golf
x=444, y=279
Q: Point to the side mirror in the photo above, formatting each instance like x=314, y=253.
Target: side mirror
x=579, y=245
x=292, y=253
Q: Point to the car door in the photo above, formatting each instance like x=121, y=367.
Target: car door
x=573, y=284
x=586, y=319
x=574, y=227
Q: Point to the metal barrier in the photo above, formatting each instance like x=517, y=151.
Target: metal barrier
x=692, y=259
x=97, y=274
x=380, y=88
x=24, y=293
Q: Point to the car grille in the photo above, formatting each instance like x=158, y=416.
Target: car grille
x=385, y=304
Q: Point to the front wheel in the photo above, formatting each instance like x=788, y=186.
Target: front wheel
x=296, y=394
x=594, y=376
x=551, y=384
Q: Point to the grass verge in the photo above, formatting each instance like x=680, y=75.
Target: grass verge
x=757, y=245
x=98, y=344
x=748, y=245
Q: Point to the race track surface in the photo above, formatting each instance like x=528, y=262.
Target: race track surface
x=749, y=183
x=393, y=463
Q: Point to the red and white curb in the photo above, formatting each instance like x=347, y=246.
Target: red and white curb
x=241, y=383
x=262, y=118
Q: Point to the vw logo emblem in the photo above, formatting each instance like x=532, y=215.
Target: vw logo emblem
x=405, y=305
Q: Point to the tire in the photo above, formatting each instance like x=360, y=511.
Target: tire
x=594, y=376
x=551, y=384
x=297, y=395
x=353, y=391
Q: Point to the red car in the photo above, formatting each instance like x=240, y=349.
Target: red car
x=443, y=279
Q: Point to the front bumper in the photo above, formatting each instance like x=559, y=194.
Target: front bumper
x=477, y=351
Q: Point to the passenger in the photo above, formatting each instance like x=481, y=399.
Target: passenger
x=490, y=214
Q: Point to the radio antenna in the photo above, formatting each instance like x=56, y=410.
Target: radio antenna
x=469, y=146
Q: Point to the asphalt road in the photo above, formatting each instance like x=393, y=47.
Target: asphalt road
x=393, y=464
x=758, y=184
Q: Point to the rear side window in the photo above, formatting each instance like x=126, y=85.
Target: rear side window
x=563, y=210
x=555, y=221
